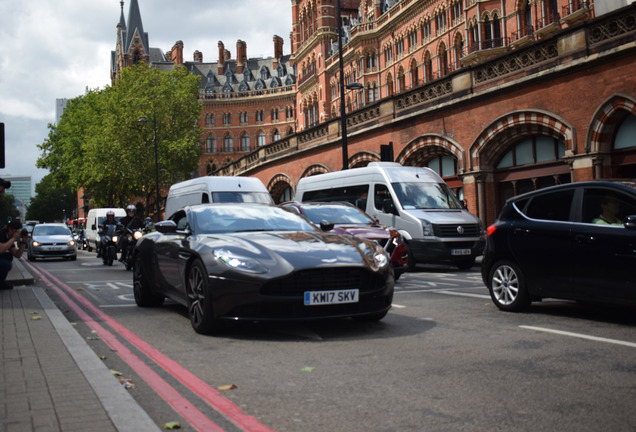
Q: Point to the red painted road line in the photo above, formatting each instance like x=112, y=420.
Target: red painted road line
x=181, y=405
x=221, y=404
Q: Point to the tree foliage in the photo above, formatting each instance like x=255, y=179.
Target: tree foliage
x=105, y=140
x=8, y=210
x=51, y=203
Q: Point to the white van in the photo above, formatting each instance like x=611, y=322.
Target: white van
x=94, y=219
x=216, y=189
x=415, y=200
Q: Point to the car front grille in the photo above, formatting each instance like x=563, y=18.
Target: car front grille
x=322, y=279
x=457, y=230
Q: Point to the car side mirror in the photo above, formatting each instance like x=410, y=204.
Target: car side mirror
x=326, y=225
x=389, y=207
x=166, y=227
x=630, y=222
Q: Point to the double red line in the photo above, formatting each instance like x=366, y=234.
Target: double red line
x=178, y=402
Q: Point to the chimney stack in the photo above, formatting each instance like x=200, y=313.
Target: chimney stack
x=198, y=57
x=177, y=53
x=221, y=57
x=278, y=49
x=241, y=55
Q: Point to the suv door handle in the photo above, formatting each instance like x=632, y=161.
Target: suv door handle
x=582, y=238
x=521, y=231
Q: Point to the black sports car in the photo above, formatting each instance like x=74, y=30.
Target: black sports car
x=259, y=262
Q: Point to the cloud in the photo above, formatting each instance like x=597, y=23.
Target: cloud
x=53, y=50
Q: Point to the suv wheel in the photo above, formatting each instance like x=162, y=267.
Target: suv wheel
x=507, y=287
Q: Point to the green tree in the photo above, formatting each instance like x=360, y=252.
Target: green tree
x=8, y=210
x=51, y=202
x=100, y=143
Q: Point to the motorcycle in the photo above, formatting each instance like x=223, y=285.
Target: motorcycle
x=109, y=244
x=132, y=235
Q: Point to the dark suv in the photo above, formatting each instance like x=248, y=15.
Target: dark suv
x=575, y=241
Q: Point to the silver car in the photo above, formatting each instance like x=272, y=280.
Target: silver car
x=51, y=240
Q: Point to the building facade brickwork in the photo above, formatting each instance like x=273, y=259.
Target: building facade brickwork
x=499, y=96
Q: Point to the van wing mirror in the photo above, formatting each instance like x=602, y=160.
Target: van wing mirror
x=389, y=207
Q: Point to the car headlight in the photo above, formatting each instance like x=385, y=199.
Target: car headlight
x=35, y=243
x=380, y=260
x=238, y=262
x=427, y=228
x=71, y=243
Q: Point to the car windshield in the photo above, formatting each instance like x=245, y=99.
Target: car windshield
x=50, y=230
x=234, y=197
x=338, y=214
x=223, y=219
x=422, y=195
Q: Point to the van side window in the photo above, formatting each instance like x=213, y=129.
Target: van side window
x=205, y=198
x=380, y=195
x=355, y=195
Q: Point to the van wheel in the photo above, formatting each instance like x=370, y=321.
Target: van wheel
x=465, y=264
x=410, y=262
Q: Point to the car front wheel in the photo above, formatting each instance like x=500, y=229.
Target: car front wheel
x=200, y=307
x=507, y=287
x=144, y=297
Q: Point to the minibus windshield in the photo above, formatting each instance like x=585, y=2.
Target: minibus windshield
x=421, y=195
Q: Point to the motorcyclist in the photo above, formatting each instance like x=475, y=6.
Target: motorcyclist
x=110, y=220
x=133, y=222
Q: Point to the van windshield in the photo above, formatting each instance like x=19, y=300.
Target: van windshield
x=237, y=197
x=422, y=195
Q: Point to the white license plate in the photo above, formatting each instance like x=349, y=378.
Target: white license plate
x=317, y=298
x=460, y=252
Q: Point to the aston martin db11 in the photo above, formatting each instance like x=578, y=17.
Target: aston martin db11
x=259, y=262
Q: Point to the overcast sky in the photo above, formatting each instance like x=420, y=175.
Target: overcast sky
x=56, y=49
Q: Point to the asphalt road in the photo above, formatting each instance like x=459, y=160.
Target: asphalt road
x=444, y=359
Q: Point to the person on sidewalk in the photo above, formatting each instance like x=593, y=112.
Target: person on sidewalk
x=8, y=249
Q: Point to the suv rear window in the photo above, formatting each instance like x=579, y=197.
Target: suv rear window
x=551, y=206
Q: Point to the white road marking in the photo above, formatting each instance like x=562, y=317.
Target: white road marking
x=581, y=336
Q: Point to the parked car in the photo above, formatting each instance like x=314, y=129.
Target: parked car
x=574, y=241
x=257, y=262
x=51, y=240
x=349, y=219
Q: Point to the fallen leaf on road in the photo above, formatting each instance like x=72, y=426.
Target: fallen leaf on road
x=227, y=387
x=172, y=425
x=35, y=318
x=308, y=369
x=102, y=357
x=80, y=289
x=116, y=373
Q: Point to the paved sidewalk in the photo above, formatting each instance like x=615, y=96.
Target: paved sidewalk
x=50, y=379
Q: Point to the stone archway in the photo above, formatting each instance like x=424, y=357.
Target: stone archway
x=279, y=187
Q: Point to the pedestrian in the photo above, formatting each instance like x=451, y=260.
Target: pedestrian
x=8, y=237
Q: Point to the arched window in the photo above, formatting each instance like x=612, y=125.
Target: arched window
x=276, y=135
x=533, y=150
x=445, y=166
x=260, y=139
x=245, y=142
x=210, y=144
x=228, y=144
x=625, y=136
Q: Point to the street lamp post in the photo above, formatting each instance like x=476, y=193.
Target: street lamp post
x=158, y=197
x=343, y=113
x=354, y=85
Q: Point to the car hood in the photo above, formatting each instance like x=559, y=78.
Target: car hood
x=53, y=238
x=287, y=251
x=440, y=216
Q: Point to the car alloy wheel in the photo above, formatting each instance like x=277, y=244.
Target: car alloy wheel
x=199, y=302
x=507, y=287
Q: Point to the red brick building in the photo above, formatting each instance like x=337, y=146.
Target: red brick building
x=499, y=97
